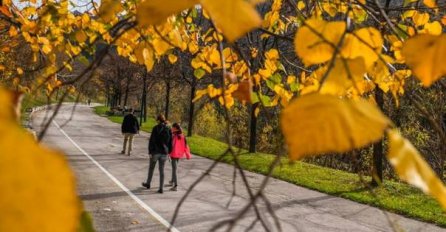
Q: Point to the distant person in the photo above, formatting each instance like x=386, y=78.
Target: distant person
x=129, y=128
x=180, y=150
x=160, y=146
x=88, y=101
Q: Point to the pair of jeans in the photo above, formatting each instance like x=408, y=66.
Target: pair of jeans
x=128, y=137
x=174, y=171
x=152, y=163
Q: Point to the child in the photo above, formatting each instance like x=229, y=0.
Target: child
x=179, y=150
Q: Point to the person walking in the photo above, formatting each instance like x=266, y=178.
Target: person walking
x=129, y=128
x=160, y=145
x=180, y=150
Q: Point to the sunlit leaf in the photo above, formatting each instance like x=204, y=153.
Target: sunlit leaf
x=430, y=3
x=109, y=9
x=149, y=59
x=344, y=74
x=172, y=58
x=233, y=17
x=81, y=36
x=316, y=124
x=38, y=189
x=428, y=67
x=5, y=11
x=152, y=12
x=311, y=47
x=13, y=31
x=365, y=42
x=433, y=28
x=412, y=168
x=160, y=46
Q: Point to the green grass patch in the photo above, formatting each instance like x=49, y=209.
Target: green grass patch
x=392, y=196
x=102, y=111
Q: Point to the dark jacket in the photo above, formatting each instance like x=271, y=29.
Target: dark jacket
x=130, y=124
x=160, y=140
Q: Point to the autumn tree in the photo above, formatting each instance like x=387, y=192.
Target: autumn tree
x=325, y=66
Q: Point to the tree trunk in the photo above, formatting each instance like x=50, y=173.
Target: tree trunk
x=126, y=95
x=142, y=115
x=190, y=125
x=166, y=112
x=253, y=129
x=377, y=171
x=145, y=104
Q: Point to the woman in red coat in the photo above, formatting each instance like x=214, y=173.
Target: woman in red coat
x=180, y=150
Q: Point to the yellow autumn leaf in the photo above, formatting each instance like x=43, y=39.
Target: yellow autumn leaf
x=9, y=105
x=13, y=31
x=138, y=51
x=365, y=42
x=272, y=54
x=428, y=67
x=412, y=168
x=160, y=46
x=81, y=36
x=172, y=58
x=430, y=3
x=420, y=18
x=233, y=17
x=29, y=199
x=433, y=28
x=345, y=74
x=149, y=59
x=109, y=9
x=152, y=12
x=214, y=56
x=19, y=71
x=312, y=48
x=317, y=124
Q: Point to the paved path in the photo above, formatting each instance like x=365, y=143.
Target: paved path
x=109, y=185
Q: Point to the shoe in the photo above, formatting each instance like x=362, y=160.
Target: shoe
x=160, y=191
x=174, y=188
x=145, y=185
x=122, y=152
x=128, y=154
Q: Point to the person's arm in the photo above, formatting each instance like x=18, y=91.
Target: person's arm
x=169, y=140
x=152, y=141
x=122, y=125
x=188, y=155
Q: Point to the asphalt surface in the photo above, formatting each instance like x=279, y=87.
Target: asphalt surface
x=109, y=184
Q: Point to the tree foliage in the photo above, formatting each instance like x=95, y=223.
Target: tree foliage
x=344, y=52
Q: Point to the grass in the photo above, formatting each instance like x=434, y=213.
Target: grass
x=392, y=196
x=146, y=126
x=30, y=101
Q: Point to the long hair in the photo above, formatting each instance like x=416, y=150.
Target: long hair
x=179, y=129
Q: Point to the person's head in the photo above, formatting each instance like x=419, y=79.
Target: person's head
x=131, y=111
x=177, y=128
x=160, y=118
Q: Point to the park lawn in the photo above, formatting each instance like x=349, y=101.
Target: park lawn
x=392, y=195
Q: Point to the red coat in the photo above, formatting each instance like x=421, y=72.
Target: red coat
x=180, y=149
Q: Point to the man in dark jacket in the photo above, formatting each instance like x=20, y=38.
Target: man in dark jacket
x=160, y=145
x=129, y=128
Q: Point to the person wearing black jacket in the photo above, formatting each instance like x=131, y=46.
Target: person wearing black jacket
x=129, y=128
x=160, y=145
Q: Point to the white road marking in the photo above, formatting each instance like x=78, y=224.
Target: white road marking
x=117, y=182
